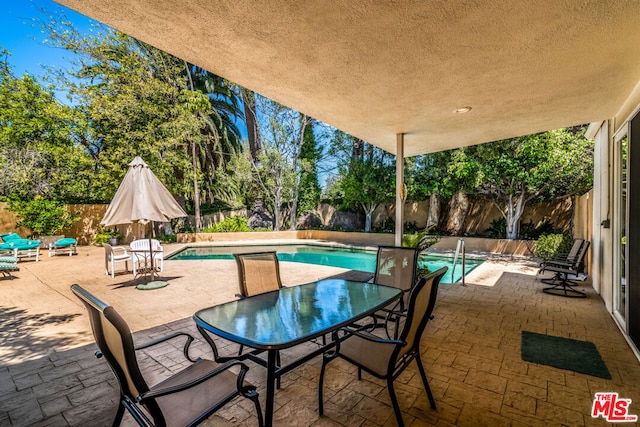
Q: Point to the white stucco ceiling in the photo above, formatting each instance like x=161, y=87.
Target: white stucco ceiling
x=378, y=68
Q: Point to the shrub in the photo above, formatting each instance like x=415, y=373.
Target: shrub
x=530, y=231
x=552, y=245
x=167, y=238
x=421, y=240
x=208, y=208
x=388, y=226
x=103, y=235
x=43, y=217
x=497, y=229
x=234, y=224
x=422, y=271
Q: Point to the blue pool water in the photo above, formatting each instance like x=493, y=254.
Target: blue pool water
x=351, y=258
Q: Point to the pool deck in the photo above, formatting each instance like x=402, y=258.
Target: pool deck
x=471, y=350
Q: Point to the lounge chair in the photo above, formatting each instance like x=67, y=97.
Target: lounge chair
x=561, y=284
x=8, y=264
x=387, y=359
x=188, y=397
x=64, y=246
x=19, y=247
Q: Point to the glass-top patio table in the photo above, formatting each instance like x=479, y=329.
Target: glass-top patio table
x=290, y=316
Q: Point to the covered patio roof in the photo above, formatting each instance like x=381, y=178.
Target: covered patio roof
x=376, y=69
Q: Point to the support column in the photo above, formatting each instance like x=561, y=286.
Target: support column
x=400, y=189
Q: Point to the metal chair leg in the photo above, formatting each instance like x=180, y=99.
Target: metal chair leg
x=394, y=402
x=423, y=374
x=118, y=419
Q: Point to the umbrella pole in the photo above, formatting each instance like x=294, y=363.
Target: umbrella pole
x=151, y=250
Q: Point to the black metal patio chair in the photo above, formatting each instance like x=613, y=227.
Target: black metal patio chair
x=396, y=267
x=387, y=359
x=561, y=284
x=186, y=398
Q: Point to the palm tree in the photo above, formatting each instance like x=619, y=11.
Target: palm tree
x=222, y=136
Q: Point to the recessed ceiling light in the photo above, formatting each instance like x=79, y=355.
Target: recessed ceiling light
x=462, y=110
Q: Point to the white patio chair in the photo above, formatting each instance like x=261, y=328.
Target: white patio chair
x=114, y=254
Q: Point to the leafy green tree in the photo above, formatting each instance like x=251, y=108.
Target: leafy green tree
x=132, y=99
x=309, y=193
x=366, y=174
x=277, y=171
x=240, y=181
x=37, y=156
x=43, y=217
x=368, y=183
x=546, y=165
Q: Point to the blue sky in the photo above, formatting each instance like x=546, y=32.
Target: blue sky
x=22, y=36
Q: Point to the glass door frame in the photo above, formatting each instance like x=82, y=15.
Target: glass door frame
x=620, y=269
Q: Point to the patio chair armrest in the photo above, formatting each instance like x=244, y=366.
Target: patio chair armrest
x=568, y=269
x=349, y=332
x=119, y=248
x=152, y=394
x=185, y=350
x=557, y=264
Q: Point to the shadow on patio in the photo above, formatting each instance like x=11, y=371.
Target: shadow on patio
x=471, y=352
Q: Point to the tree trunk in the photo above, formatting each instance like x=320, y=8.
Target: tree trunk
x=194, y=160
x=166, y=228
x=293, y=213
x=434, y=211
x=458, y=209
x=276, y=218
x=277, y=202
x=196, y=190
x=367, y=222
x=368, y=211
x=253, y=134
x=514, y=213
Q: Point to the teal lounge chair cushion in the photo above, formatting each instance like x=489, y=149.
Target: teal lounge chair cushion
x=8, y=259
x=10, y=237
x=7, y=266
x=67, y=241
x=20, y=244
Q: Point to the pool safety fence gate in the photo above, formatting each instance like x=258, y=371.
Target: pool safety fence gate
x=460, y=254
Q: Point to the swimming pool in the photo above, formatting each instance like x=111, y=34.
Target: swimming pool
x=344, y=257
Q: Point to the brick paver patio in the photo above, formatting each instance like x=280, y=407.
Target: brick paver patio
x=471, y=350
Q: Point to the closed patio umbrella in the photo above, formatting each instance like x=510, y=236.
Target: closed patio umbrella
x=141, y=198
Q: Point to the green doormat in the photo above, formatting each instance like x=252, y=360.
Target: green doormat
x=563, y=353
